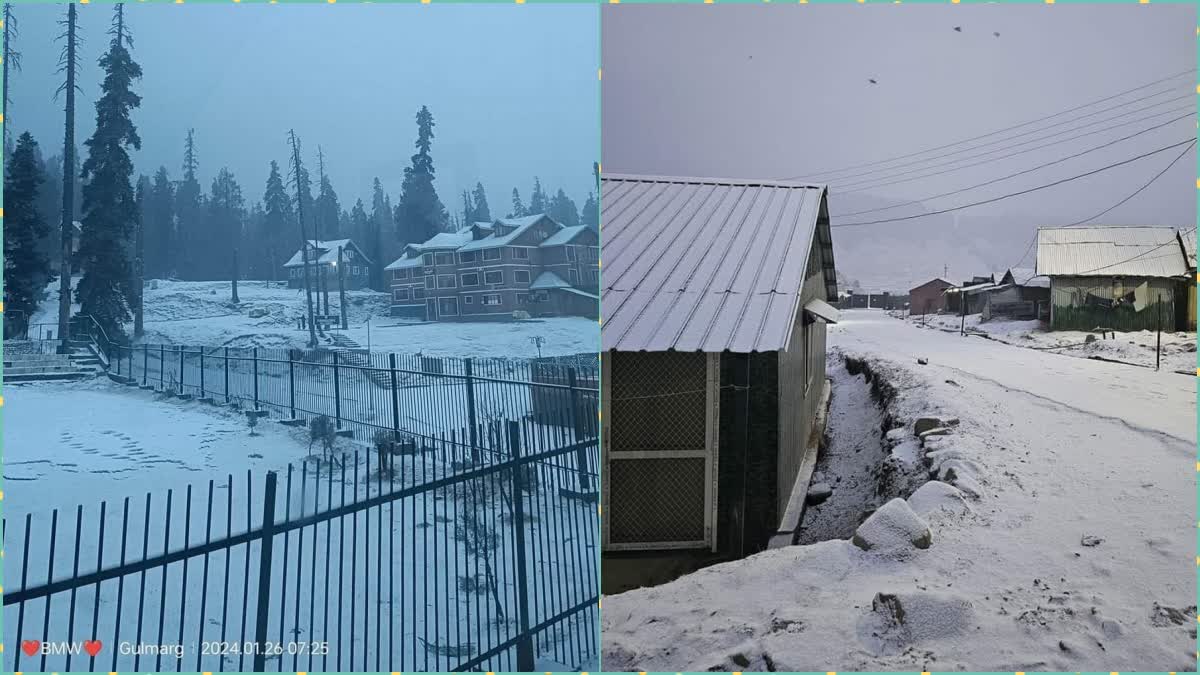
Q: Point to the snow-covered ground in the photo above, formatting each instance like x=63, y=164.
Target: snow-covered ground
x=200, y=313
x=1075, y=552
x=76, y=444
x=1178, y=348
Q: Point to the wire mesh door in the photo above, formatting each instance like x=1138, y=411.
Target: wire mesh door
x=660, y=413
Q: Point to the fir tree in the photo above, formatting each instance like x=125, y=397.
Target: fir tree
x=278, y=222
x=110, y=212
x=482, y=213
x=360, y=223
x=226, y=211
x=468, y=211
x=420, y=213
x=158, y=221
x=12, y=62
x=26, y=265
x=518, y=209
x=538, y=202
x=591, y=213
x=190, y=239
x=326, y=206
x=563, y=211
x=381, y=225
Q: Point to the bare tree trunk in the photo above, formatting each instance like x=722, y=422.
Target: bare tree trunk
x=234, y=299
x=312, y=329
x=341, y=288
x=140, y=273
x=68, y=199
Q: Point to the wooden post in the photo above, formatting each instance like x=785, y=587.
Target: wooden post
x=1158, y=345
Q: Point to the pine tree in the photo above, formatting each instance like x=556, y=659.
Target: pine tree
x=110, y=212
x=538, y=202
x=562, y=210
x=300, y=181
x=68, y=64
x=326, y=206
x=518, y=209
x=226, y=215
x=591, y=213
x=278, y=223
x=468, y=211
x=482, y=213
x=360, y=223
x=12, y=62
x=190, y=240
x=27, y=268
x=420, y=213
x=380, y=231
x=158, y=220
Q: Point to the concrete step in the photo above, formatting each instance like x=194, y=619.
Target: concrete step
x=44, y=377
x=34, y=370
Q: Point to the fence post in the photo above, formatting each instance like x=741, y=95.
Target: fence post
x=145, y=363
x=524, y=637
x=1158, y=344
x=162, y=368
x=472, y=422
x=227, y=374
x=202, y=392
x=395, y=399
x=264, y=574
x=337, y=393
x=292, y=379
x=181, y=370
x=581, y=463
x=255, y=355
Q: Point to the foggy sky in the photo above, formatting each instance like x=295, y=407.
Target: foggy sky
x=774, y=91
x=512, y=89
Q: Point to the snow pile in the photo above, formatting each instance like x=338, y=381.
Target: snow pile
x=894, y=528
x=1058, y=541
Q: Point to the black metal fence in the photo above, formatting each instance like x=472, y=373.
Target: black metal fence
x=451, y=555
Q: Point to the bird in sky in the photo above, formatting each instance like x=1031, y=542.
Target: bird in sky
x=996, y=34
x=958, y=29
x=872, y=81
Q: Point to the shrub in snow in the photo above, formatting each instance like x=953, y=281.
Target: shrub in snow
x=383, y=449
x=321, y=430
x=252, y=421
x=893, y=527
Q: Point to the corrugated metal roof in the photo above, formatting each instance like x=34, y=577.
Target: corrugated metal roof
x=563, y=236
x=707, y=264
x=1110, y=251
x=1028, y=277
x=520, y=224
x=1189, y=246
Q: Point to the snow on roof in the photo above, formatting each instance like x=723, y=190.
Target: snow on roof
x=938, y=282
x=446, y=240
x=404, y=263
x=1188, y=239
x=563, y=236
x=708, y=264
x=973, y=288
x=1138, y=251
x=1027, y=276
x=520, y=225
x=329, y=252
x=548, y=280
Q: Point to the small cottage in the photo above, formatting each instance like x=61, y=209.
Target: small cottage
x=715, y=302
x=1019, y=295
x=1116, y=278
x=929, y=297
x=323, y=259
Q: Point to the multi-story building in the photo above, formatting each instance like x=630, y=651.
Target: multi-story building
x=323, y=260
x=488, y=271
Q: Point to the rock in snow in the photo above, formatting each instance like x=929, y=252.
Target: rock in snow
x=818, y=493
x=257, y=312
x=924, y=424
x=893, y=527
x=936, y=496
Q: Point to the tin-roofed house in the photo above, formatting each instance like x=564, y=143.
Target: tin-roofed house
x=1187, y=239
x=715, y=300
x=1115, y=278
x=1019, y=295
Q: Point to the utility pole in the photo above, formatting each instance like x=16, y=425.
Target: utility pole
x=312, y=329
x=68, y=195
x=341, y=288
x=962, y=301
x=322, y=281
x=1158, y=346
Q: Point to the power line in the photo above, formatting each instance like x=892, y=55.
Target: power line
x=1022, y=192
x=999, y=131
x=1137, y=191
x=1019, y=173
x=872, y=183
x=1173, y=242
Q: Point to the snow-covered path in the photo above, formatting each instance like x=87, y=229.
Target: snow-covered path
x=1079, y=555
x=1163, y=402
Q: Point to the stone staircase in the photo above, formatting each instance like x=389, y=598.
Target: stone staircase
x=42, y=367
x=351, y=353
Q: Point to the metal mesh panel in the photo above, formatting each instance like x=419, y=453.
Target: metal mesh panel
x=658, y=401
x=656, y=500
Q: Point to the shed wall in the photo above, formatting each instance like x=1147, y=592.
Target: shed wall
x=1071, y=309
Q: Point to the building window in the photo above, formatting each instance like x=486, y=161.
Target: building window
x=496, y=277
x=427, y=260
x=444, y=258
x=491, y=254
x=493, y=299
x=520, y=253
x=418, y=293
x=400, y=294
x=522, y=298
x=427, y=270
x=573, y=276
x=468, y=299
x=594, y=277
x=570, y=253
x=429, y=283
x=521, y=276
x=445, y=281
x=468, y=257
x=448, y=306
x=470, y=279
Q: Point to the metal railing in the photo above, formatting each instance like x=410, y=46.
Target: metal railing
x=447, y=556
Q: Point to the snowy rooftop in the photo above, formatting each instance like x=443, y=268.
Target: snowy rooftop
x=447, y=240
x=563, y=236
x=1188, y=239
x=328, y=249
x=520, y=225
x=1110, y=251
x=547, y=280
x=1026, y=276
x=708, y=264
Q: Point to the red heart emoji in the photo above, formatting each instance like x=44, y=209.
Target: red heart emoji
x=92, y=647
x=30, y=647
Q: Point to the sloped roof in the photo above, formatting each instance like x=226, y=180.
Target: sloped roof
x=446, y=240
x=404, y=263
x=1027, y=276
x=941, y=283
x=1188, y=239
x=520, y=224
x=548, y=280
x=564, y=236
x=1135, y=251
x=708, y=264
x=328, y=250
